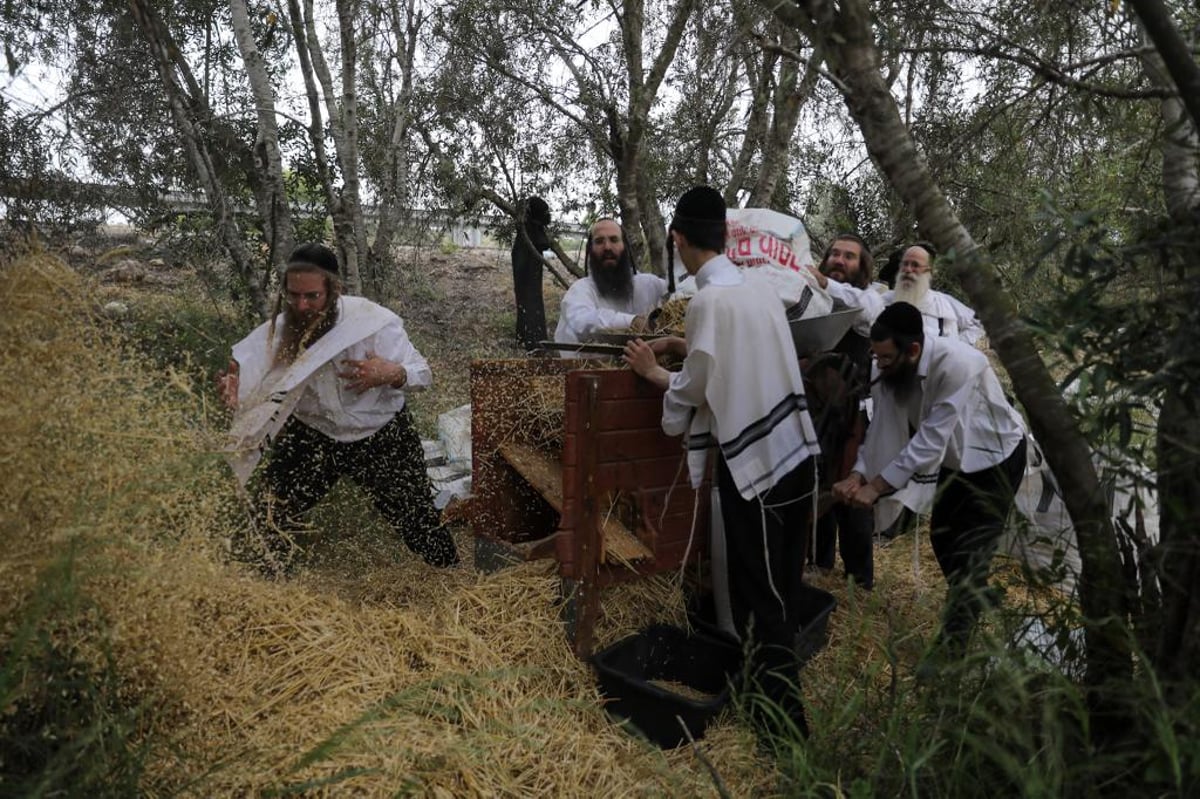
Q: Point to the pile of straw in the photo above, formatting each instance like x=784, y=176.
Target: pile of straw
x=370, y=672
x=671, y=318
x=394, y=678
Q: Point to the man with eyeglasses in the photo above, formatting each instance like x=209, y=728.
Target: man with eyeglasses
x=944, y=430
x=322, y=386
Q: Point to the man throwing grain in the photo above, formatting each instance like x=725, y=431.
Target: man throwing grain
x=322, y=386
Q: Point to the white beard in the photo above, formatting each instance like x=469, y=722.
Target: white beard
x=913, y=290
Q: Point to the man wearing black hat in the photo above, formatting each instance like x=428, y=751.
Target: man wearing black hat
x=740, y=392
x=613, y=295
x=323, y=385
x=941, y=422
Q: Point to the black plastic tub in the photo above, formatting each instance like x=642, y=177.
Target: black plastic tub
x=812, y=630
x=694, y=661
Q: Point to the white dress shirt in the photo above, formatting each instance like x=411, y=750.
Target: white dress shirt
x=965, y=421
x=943, y=315
x=329, y=407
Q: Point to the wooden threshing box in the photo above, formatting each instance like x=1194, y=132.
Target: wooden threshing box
x=600, y=505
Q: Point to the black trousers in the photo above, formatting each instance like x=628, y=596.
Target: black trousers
x=969, y=514
x=766, y=540
x=389, y=465
x=852, y=530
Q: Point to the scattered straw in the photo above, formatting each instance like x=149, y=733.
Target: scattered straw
x=370, y=672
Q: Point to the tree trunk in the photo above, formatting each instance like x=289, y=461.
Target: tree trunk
x=845, y=34
x=1176, y=561
x=1174, y=50
x=316, y=124
x=271, y=194
x=756, y=126
x=634, y=196
x=343, y=122
x=162, y=47
x=394, y=193
x=790, y=96
x=348, y=151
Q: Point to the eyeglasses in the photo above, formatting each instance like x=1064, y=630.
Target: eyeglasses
x=311, y=297
x=885, y=361
x=914, y=266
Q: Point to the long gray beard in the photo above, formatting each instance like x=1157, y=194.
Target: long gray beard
x=915, y=292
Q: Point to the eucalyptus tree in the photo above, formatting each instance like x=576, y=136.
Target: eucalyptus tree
x=193, y=119
x=1078, y=63
x=391, y=81
x=599, y=66
x=270, y=192
x=1171, y=64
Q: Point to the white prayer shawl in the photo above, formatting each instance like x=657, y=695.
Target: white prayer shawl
x=740, y=386
x=943, y=315
x=268, y=395
x=585, y=311
x=965, y=423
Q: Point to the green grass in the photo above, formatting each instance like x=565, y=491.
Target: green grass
x=67, y=728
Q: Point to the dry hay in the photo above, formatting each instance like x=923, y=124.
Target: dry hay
x=382, y=676
x=402, y=680
x=671, y=317
x=542, y=411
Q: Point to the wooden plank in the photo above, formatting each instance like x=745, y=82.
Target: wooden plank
x=540, y=469
x=544, y=473
x=618, y=545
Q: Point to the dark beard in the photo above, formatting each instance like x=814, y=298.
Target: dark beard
x=902, y=381
x=299, y=335
x=615, y=282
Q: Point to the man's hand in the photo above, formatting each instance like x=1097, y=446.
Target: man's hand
x=227, y=384
x=669, y=345
x=822, y=280
x=869, y=493
x=372, y=372
x=641, y=359
x=865, y=497
x=844, y=490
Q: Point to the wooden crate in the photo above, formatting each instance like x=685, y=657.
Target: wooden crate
x=615, y=504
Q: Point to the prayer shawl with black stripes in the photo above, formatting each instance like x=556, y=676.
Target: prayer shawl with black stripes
x=268, y=394
x=740, y=386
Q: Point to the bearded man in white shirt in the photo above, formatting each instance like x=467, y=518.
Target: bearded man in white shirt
x=614, y=295
x=322, y=385
x=941, y=419
x=942, y=314
x=739, y=394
